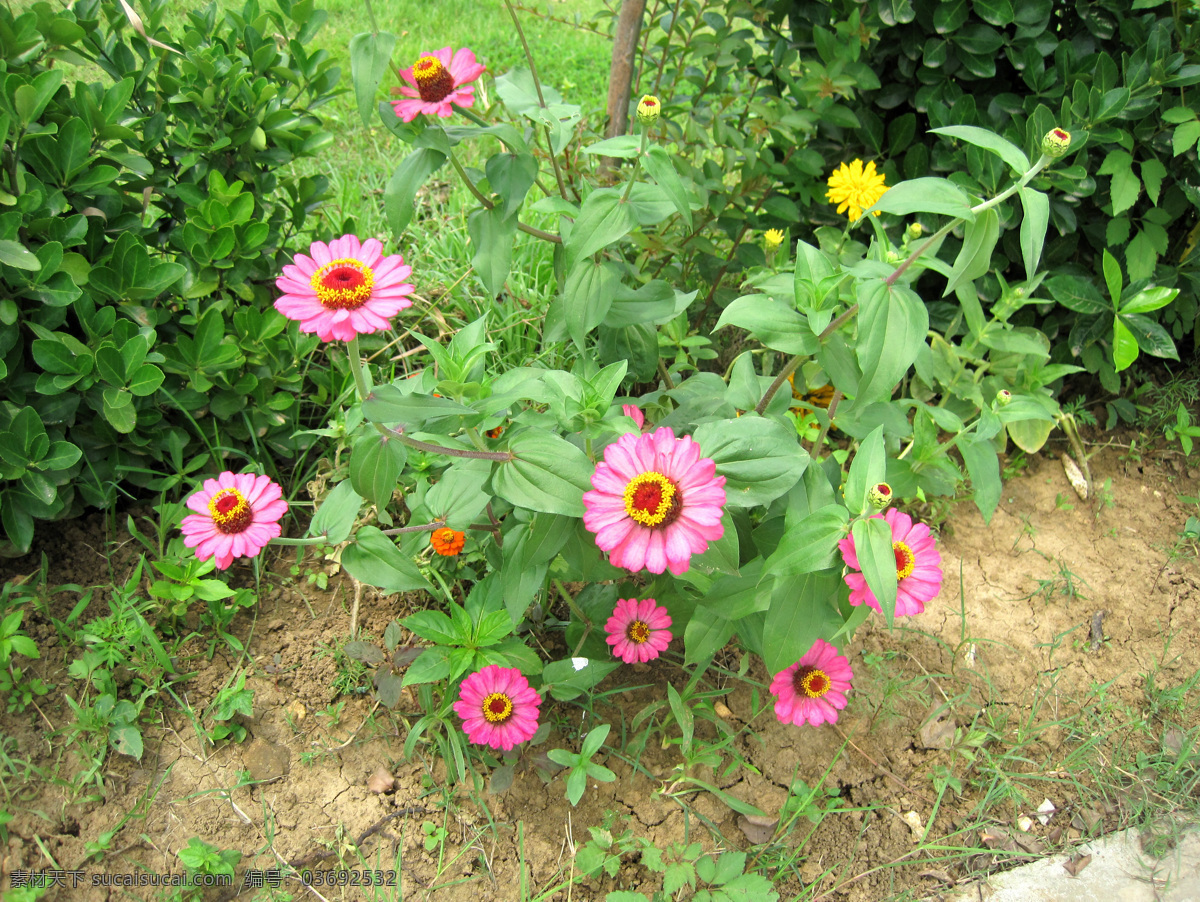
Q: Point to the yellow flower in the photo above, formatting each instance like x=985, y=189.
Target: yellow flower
x=774, y=238
x=855, y=187
x=648, y=110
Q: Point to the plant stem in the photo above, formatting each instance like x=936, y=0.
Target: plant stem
x=424, y=527
x=472, y=115
x=587, y=624
x=820, y=440
x=791, y=367
x=487, y=204
x=441, y=449
x=316, y=540
x=371, y=16
x=562, y=185
x=637, y=163
x=361, y=383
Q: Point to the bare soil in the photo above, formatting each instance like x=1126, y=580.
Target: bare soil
x=1010, y=643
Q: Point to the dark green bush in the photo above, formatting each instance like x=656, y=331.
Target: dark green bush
x=145, y=215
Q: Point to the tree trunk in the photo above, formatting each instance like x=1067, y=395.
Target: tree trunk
x=625, y=42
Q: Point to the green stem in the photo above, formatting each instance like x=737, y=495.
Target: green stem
x=472, y=115
x=637, y=162
x=820, y=440
x=371, y=16
x=356, y=367
x=473, y=435
x=562, y=185
x=587, y=623
x=1004, y=195
x=316, y=540
x=487, y=204
x=794, y=363
x=424, y=527
x=442, y=449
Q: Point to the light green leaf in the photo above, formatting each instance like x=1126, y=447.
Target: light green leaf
x=983, y=466
x=1125, y=346
x=1149, y=299
x=1184, y=137
x=369, y=57
x=811, y=544
x=335, y=517
x=624, y=147
x=801, y=613
x=603, y=219
x=759, y=458
x=981, y=137
x=877, y=560
x=926, y=195
x=17, y=255
x=1153, y=173
x=374, y=559
x=375, y=466
x=549, y=474
x=892, y=324
x=975, y=257
x=1033, y=228
x=770, y=322
x=402, y=187
x=1112, y=277
x=662, y=170
x=491, y=246
x=867, y=469
x=587, y=297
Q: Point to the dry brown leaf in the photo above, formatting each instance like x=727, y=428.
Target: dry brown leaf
x=722, y=710
x=1173, y=742
x=758, y=829
x=939, y=875
x=1077, y=863
x=938, y=732
x=381, y=781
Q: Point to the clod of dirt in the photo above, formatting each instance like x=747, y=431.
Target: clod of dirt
x=1077, y=863
x=381, y=780
x=938, y=732
x=758, y=829
x=266, y=761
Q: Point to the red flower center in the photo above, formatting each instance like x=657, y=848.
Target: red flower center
x=230, y=511
x=811, y=682
x=497, y=707
x=434, y=81
x=343, y=284
x=906, y=561
x=653, y=500
x=638, y=632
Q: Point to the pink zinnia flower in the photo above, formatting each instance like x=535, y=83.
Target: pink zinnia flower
x=498, y=707
x=345, y=288
x=655, y=503
x=436, y=81
x=637, y=630
x=917, y=569
x=236, y=515
x=813, y=689
x=634, y=413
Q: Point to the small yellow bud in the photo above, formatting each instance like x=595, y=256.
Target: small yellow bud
x=1056, y=142
x=1003, y=396
x=880, y=496
x=914, y=231
x=648, y=110
x=774, y=238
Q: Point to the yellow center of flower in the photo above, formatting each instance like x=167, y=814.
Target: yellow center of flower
x=434, y=81
x=343, y=284
x=497, y=707
x=638, y=632
x=855, y=187
x=652, y=500
x=230, y=511
x=811, y=682
x=906, y=561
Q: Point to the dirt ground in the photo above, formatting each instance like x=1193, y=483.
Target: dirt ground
x=1011, y=641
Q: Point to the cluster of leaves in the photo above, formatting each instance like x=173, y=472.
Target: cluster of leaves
x=142, y=218
x=1109, y=70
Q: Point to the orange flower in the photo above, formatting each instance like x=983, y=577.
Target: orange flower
x=495, y=433
x=447, y=541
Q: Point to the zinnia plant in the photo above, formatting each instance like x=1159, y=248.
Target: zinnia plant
x=638, y=630
x=813, y=689
x=498, y=707
x=236, y=515
x=655, y=502
x=447, y=542
x=345, y=288
x=436, y=82
x=917, y=570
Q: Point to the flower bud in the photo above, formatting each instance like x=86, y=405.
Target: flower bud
x=1003, y=396
x=648, y=110
x=880, y=496
x=774, y=238
x=914, y=231
x=1056, y=142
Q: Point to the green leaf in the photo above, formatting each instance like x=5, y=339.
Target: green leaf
x=1112, y=277
x=975, y=257
x=570, y=682
x=30, y=100
x=491, y=246
x=431, y=666
x=770, y=322
x=548, y=474
x=801, y=612
x=877, y=560
x=374, y=559
x=949, y=16
x=1125, y=186
x=1151, y=337
x=1080, y=295
x=981, y=137
x=119, y=410
x=624, y=147
x=388, y=404
x=759, y=458
x=146, y=380
x=402, y=187
x=995, y=12
x=375, y=466
x=1033, y=228
x=369, y=57
x=603, y=219
x=811, y=544
x=17, y=255
x=1184, y=137
x=1149, y=299
x=892, y=324
x=335, y=517
x=867, y=469
x=1125, y=346
x=706, y=633
x=587, y=297
x=511, y=176
x=662, y=170
x=458, y=498
x=926, y=195
x=983, y=466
